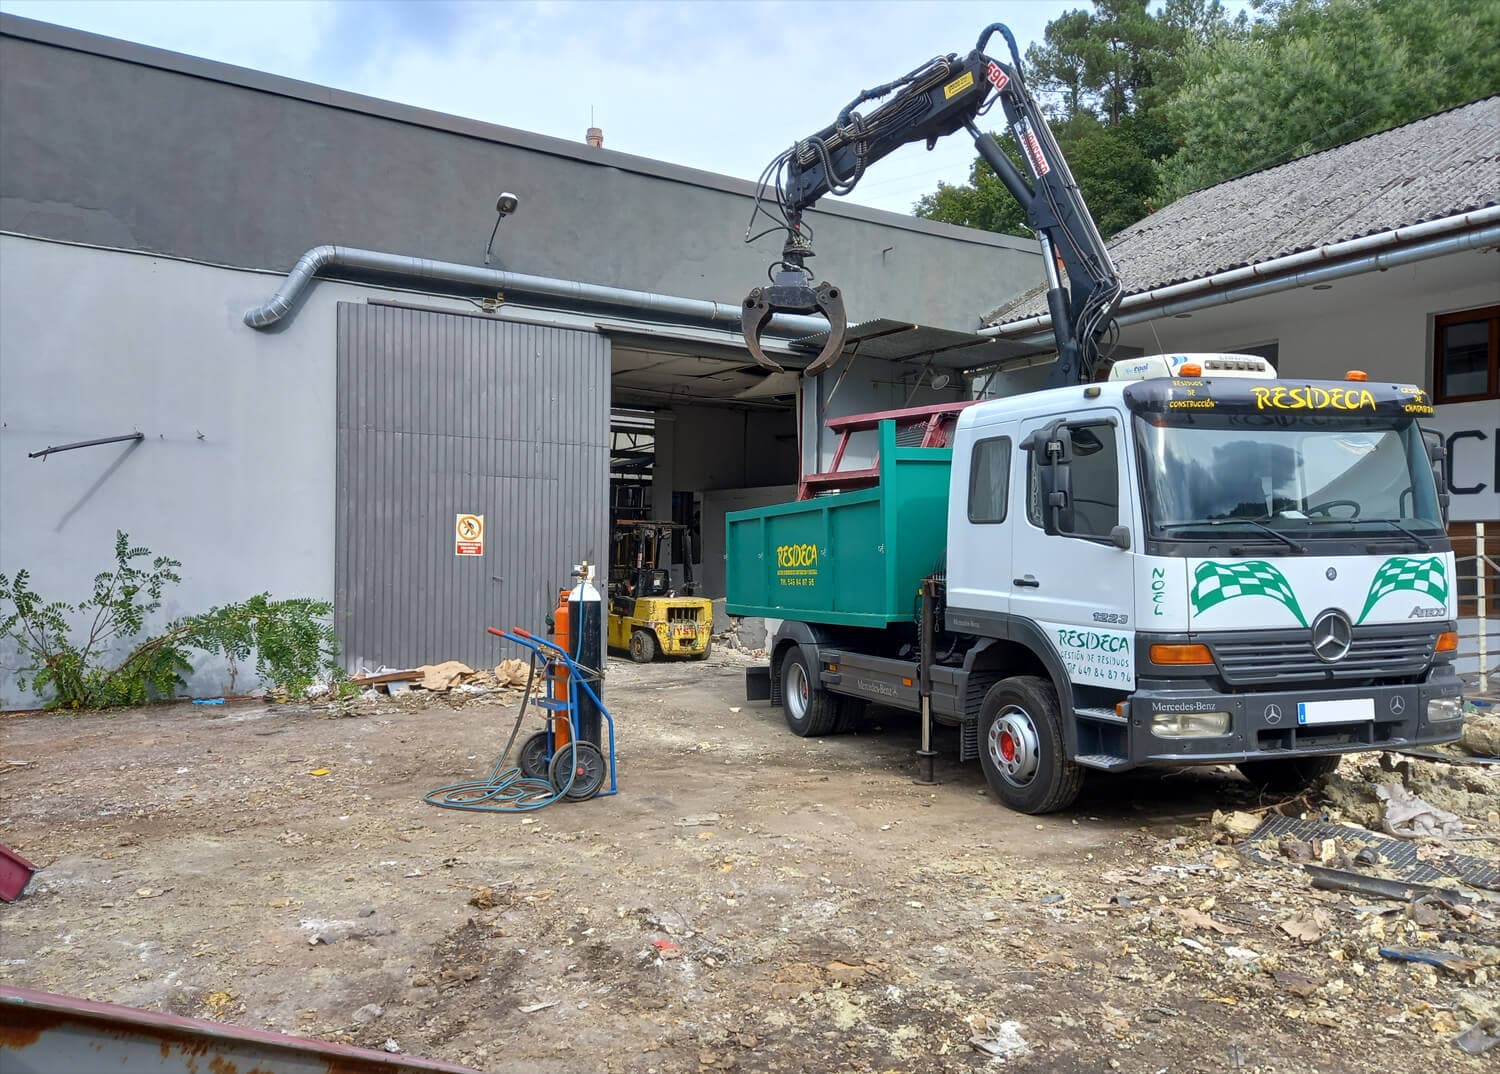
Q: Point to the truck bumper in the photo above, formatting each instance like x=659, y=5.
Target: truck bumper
x=1266, y=724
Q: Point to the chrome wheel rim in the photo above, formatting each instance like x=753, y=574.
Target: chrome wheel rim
x=796, y=691
x=1013, y=746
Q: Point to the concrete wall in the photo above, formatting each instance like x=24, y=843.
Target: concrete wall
x=119, y=145
x=715, y=506
x=870, y=386
x=235, y=476
x=714, y=448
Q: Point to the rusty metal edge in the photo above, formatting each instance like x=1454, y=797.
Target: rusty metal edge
x=17, y=1003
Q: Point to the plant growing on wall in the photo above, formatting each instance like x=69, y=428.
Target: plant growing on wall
x=292, y=640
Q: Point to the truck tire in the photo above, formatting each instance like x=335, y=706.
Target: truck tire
x=642, y=646
x=1021, y=747
x=1289, y=774
x=809, y=711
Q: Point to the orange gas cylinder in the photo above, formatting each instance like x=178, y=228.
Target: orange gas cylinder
x=562, y=728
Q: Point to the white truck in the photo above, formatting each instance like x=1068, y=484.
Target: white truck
x=1193, y=562
x=1184, y=565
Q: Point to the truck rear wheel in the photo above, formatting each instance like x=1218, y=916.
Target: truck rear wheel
x=810, y=711
x=1021, y=747
x=1288, y=773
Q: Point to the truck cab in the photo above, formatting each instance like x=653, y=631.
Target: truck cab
x=1191, y=563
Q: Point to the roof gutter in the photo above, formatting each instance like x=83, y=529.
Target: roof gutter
x=440, y=276
x=1400, y=246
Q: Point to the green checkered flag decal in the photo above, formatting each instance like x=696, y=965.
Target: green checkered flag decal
x=1407, y=572
x=1214, y=583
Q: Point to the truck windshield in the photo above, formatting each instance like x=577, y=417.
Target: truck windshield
x=1306, y=476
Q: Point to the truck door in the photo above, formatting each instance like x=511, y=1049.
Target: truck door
x=980, y=522
x=1079, y=587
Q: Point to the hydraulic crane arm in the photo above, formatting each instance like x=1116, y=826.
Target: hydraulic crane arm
x=943, y=96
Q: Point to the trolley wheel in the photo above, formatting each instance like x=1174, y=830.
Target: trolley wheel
x=533, y=756
x=588, y=770
x=642, y=647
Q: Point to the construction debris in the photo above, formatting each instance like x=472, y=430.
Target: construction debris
x=1410, y=817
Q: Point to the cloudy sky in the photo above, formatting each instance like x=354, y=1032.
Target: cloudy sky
x=722, y=85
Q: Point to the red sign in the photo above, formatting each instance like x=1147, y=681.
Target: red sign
x=996, y=77
x=468, y=531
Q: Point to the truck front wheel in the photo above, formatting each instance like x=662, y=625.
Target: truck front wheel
x=809, y=710
x=1021, y=747
x=1289, y=774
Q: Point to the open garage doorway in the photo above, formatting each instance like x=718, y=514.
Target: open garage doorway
x=696, y=430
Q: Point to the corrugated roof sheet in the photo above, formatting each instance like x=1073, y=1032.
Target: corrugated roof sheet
x=1439, y=166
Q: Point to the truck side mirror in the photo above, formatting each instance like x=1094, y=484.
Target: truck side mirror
x=1054, y=448
x=1437, y=455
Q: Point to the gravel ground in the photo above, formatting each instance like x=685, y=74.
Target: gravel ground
x=749, y=901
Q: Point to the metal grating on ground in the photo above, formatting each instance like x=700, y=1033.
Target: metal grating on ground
x=1400, y=854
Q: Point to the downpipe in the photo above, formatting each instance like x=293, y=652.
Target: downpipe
x=440, y=275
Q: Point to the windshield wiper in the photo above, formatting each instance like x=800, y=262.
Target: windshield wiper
x=1422, y=543
x=1283, y=538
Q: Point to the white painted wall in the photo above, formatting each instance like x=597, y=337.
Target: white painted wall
x=235, y=476
x=1380, y=322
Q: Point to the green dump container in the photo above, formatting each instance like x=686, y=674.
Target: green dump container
x=853, y=559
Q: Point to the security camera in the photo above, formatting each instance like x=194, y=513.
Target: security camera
x=506, y=203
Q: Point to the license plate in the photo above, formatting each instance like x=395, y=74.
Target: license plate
x=1344, y=710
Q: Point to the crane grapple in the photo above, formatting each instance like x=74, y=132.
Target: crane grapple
x=944, y=95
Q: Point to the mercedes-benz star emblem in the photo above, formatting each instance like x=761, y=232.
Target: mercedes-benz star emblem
x=1332, y=635
x=1273, y=714
x=1398, y=705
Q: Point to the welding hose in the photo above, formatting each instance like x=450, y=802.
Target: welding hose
x=505, y=790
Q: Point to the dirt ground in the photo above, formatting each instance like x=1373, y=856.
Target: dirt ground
x=749, y=901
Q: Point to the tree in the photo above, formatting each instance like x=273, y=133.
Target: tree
x=1313, y=74
x=1102, y=76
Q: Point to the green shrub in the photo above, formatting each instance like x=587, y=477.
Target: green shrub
x=292, y=640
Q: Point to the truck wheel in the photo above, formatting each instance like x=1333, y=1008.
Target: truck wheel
x=1021, y=747
x=809, y=711
x=1288, y=773
x=642, y=647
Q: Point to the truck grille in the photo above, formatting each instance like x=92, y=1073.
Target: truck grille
x=1376, y=653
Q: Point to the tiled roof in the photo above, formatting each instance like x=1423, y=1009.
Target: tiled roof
x=1439, y=166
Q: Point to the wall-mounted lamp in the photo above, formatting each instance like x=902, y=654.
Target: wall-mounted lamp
x=505, y=204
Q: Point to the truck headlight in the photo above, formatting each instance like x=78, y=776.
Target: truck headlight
x=1189, y=724
x=1444, y=708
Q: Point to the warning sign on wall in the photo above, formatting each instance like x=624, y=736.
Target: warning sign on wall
x=468, y=533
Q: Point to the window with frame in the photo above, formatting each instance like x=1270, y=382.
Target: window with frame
x=1466, y=356
x=989, y=480
x=1095, y=479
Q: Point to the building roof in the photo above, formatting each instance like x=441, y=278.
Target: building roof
x=1436, y=167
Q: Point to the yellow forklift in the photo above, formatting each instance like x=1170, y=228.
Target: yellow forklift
x=647, y=618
